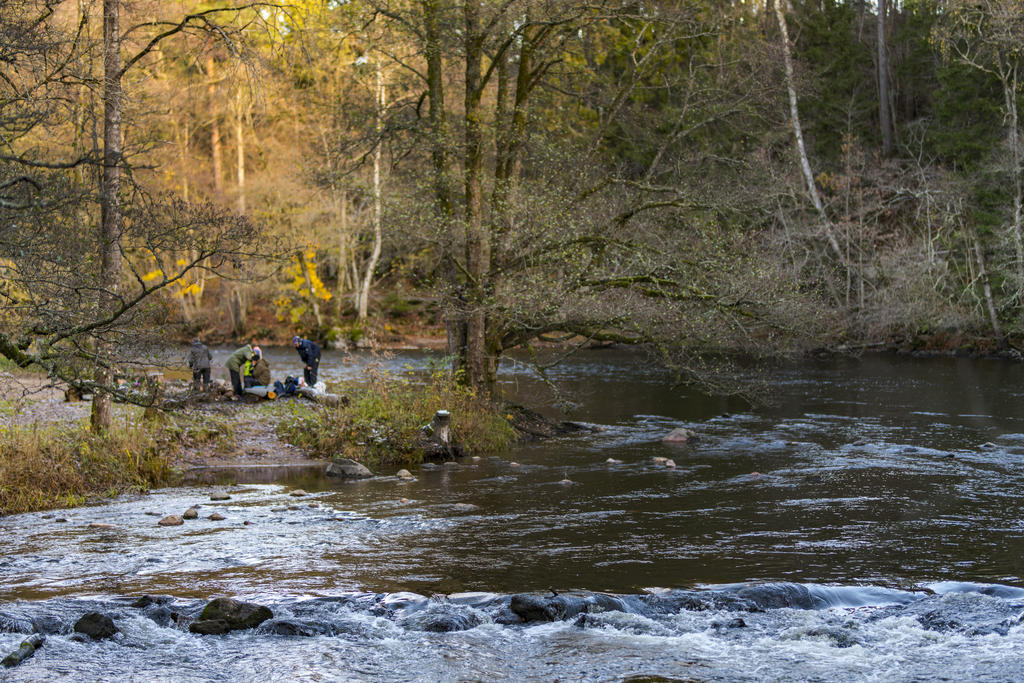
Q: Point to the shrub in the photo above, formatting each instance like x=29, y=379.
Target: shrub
x=383, y=420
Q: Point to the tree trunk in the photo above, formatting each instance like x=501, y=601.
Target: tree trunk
x=1010, y=94
x=110, y=203
x=240, y=149
x=884, y=112
x=378, y=207
x=986, y=287
x=439, y=138
x=477, y=240
x=215, y=146
x=794, y=114
x=342, y=249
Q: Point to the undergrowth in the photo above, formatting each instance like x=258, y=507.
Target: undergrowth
x=64, y=466
x=383, y=420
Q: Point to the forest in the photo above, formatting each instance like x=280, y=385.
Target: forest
x=698, y=177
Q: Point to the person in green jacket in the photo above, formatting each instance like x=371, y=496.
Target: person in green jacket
x=234, y=366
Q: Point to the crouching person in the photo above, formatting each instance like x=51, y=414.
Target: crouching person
x=257, y=370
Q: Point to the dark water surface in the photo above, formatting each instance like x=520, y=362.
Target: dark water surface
x=870, y=517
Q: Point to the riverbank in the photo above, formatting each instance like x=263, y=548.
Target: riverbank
x=49, y=458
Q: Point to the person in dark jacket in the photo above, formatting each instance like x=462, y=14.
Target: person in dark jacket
x=199, y=358
x=234, y=366
x=309, y=352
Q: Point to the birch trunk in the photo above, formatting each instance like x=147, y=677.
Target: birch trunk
x=986, y=287
x=794, y=114
x=378, y=205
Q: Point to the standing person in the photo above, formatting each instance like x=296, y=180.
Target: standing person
x=234, y=366
x=309, y=352
x=199, y=358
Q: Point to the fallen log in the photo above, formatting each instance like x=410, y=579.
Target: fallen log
x=27, y=649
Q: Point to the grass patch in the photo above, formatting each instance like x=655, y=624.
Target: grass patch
x=383, y=420
x=62, y=466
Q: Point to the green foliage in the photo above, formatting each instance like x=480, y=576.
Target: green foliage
x=969, y=112
x=383, y=421
x=842, y=100
x=60, y=466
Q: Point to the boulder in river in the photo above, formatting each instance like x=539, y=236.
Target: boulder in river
x=11, y=624
x=96, y=625
x=147, y=600
x=679, y=435
x=191, y=513
x=346, y=468
x=220, y=496
x=216, y=517
x=559, y=607
x=237, y=614
x=296, y=627
x=171, y=520
x=298, y=493
x=209, y=627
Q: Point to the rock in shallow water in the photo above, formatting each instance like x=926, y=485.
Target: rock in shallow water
x=209, y=627
x=96, y=625
x=296, y=627
x=235, y=613
x=171, y=520
x=346, y=468
x=191, y=513
x=9, y=624
x=679, y=435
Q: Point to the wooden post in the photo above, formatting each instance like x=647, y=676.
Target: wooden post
x=443, y=428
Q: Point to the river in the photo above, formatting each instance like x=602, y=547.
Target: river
x=866, y=525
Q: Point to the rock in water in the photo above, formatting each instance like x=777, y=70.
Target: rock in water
x=9, y=624
x=298, y=493
x=679, y=435
x=216, y=517
x=209, y=627
x=191, y=513
x=348, y=469
x=26, y=650
x=295, y=627
x=235, y=613
x=403, y=474
x=96, y=625
x=171, y=520
x=220, y=496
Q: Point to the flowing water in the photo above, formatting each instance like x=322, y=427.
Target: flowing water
x=865, y=526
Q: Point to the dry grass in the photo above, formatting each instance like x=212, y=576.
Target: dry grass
x=60, y=466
